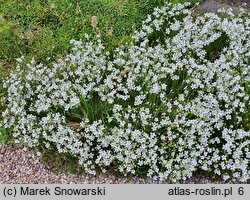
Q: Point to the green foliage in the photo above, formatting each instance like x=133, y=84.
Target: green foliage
x=3, y=135
x=60, y=162
x=214, y=49
x=4, y=138
x=42, y=29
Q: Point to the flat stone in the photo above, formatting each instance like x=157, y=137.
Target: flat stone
x=236, y=2
x=215, y=5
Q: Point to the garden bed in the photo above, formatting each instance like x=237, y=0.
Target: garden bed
x=171, y=104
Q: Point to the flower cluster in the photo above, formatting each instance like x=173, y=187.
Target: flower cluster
x=174, y=101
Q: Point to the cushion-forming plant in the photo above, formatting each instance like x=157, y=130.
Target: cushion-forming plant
x=174, y=101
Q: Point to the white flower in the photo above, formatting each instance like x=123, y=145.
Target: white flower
x=163, y=105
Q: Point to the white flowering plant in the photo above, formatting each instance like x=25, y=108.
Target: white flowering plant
x=174, y=101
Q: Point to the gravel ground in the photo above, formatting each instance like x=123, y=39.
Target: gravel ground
x=22, y=165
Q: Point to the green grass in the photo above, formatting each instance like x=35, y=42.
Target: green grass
x=43, y=28
x=4, y=136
